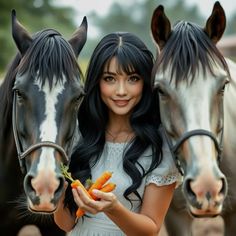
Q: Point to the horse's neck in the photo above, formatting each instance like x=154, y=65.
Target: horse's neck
x=7, y=143
x=229, y=120
x=77, y=136
x=230, y=95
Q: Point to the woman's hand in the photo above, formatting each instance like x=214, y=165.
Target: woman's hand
x=106, y=202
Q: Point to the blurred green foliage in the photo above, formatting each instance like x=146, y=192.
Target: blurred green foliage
x=34, y=15
x=135, y=17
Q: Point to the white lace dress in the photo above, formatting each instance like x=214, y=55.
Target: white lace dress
x=111, y=160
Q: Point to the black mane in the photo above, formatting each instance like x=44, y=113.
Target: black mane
x=187, y=48
x=49, y=56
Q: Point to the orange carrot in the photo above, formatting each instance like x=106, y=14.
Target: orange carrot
x=79, y=213
x=100, y=181
x=108, y=187
x=74, y=183
x=98, y=184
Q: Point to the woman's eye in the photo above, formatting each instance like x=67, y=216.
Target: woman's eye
x=134, y=78
x=108, y=78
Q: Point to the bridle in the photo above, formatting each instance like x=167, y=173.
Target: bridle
x=174, y=148
x=22, y=154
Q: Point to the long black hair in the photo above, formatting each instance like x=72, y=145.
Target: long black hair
x=131, y=54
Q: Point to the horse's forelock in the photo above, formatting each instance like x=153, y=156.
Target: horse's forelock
x=50, y=56
x=187, y=51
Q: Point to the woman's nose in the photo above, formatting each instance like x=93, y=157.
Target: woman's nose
x=121, y=88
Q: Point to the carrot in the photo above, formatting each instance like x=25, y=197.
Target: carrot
x=98, y=184
x=100, y=181
x=74, y=183
x=108, y=187
x=79, y=213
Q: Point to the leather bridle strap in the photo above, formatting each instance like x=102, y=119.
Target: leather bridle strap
x=187, y=135
x=23, y=154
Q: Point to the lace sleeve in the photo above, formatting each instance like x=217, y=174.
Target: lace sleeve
x=161, y=180
x=166, y=173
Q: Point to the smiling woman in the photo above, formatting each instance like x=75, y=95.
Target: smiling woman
x=119, y=133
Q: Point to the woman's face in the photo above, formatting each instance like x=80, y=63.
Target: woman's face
x=121, y=92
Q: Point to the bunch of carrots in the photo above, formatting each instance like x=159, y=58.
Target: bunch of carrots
x=100, y=184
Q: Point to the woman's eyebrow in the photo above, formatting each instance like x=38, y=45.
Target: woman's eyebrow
x=109, y=72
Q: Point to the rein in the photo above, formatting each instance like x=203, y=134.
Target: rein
x=174, y=148
x=22, y=154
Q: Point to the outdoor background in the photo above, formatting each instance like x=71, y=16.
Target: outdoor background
x=105, y=16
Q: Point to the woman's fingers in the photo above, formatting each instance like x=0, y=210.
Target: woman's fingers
x=83, y=201
x=107, y=200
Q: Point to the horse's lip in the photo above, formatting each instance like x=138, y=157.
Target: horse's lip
x=41, y=212
x=202, y=214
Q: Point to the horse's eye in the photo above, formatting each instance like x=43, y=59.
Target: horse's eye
x=161, y=92
x=79, y=99
x=20, y=95
x=222, y=89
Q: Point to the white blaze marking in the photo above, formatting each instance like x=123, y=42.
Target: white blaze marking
x=48, y=127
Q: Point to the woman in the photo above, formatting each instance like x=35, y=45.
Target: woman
x=118, y=121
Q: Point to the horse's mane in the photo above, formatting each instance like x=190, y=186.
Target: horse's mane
x=188, y=48
x=49, y=56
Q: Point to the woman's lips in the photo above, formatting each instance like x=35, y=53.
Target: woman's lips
x=121, y=103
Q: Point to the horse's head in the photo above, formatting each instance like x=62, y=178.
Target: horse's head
x=47, y=92
x=190, y=75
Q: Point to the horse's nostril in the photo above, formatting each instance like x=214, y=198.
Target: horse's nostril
x=59, y=190
x=188, y=190
x=61, y=184
x=224, y=188
x=30, y=191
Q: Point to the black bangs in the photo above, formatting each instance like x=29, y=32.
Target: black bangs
x=130, y=60
x=50, y=56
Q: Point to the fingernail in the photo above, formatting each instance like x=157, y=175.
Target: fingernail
x=95, y=191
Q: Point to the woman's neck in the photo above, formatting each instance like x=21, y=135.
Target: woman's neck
x=119, y=129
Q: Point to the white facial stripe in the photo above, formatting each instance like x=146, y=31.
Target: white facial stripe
x=196, y=103
x=48, y=128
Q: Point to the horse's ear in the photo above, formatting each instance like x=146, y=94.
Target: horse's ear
x=79, y=37
x=20, y=35
x=160, y=26
x=216, y=23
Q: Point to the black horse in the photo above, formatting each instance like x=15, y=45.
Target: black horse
x=40, y=97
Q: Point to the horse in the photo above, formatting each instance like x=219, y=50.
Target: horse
x=40, y=97
x=196, y=90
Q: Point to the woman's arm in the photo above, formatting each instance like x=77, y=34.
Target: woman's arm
x=156, y=202
x=148, y=222
x=63, y=217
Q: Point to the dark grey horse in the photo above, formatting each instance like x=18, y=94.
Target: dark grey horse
x=40, y=97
